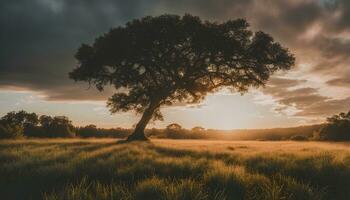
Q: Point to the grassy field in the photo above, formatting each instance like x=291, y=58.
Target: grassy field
x=173, y=169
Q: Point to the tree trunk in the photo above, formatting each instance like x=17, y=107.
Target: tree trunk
x=139, y=132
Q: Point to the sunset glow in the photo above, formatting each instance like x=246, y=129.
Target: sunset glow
x=38, y=54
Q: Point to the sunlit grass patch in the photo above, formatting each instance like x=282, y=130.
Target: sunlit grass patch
x=89, y=190
x=228, y=180
x=103, y=169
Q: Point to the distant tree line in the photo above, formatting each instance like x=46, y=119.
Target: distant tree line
x=336, y=129
x=24, y=124
x=175, y=131
x=92, y=131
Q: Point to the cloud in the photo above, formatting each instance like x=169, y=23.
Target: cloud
x=292, y=99
x=341, y=82
x=325, y=108
x=39, y=39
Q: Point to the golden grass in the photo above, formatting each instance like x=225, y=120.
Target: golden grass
x=255, y=146
x=173, y=169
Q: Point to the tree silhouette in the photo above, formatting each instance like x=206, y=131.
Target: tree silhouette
x=162, y=60
x=57, y=126
x=174, y=126
x=20, y=123
x=198, y=129
x=337, y=128
x=21, y=118
x=88, y=131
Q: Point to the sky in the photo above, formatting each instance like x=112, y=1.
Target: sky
x=40, y=37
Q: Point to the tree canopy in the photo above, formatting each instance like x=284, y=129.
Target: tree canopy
x=337, y=128
x=174, y=126
x=21, y=123
x=167, y=59
x=21, y=118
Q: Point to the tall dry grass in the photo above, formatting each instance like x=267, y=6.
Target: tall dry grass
x=166, y=169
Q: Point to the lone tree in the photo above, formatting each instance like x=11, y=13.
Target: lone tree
x=162, y=60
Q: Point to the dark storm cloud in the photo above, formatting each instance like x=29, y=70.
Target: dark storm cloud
x=39, y=39
x=342, y=7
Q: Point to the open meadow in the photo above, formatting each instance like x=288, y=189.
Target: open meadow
x=175, y=100
x=173, y=169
